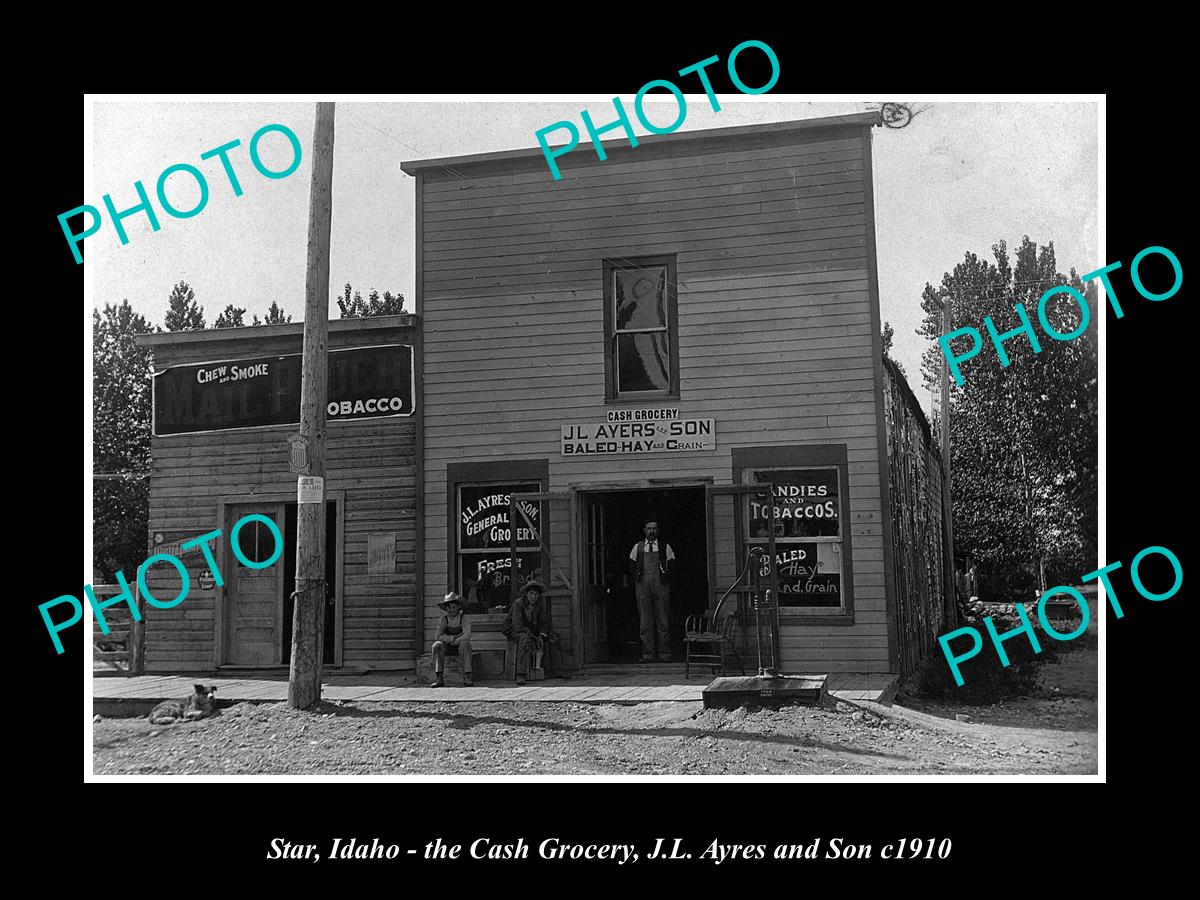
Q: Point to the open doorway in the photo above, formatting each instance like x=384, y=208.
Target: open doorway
x=612, y=526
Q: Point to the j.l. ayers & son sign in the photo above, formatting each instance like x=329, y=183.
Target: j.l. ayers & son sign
x=639, y=431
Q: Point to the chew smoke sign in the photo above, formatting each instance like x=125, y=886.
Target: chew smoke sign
x=364, y=383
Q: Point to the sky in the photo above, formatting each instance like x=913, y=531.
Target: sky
x=961, y=176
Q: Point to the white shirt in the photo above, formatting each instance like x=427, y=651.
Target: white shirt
x=651, y=547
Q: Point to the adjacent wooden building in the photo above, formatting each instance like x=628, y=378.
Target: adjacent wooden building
x=653, y=335
x=225, y=403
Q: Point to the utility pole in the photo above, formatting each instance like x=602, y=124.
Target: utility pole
x=308, y=620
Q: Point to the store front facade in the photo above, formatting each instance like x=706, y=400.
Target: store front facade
x=688, y=333
x=226, y=403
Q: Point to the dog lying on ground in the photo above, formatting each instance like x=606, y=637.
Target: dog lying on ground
x=200, y=705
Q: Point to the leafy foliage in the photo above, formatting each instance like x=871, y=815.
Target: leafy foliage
x=1023, y=437
x=357, y=308
x=985, y=680
x=121, y=439
x=183, y=312
x=889, y=335
x=232, y=317
x=275, y=316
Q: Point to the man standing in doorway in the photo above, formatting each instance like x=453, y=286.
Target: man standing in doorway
x=650, y=565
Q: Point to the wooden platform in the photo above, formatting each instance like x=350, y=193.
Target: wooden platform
x=136, y=696
x=761, y=690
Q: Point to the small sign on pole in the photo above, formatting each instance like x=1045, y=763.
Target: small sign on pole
x=298, y=453
x=310, y=489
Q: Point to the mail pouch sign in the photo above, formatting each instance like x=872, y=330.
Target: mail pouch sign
x=364, y=383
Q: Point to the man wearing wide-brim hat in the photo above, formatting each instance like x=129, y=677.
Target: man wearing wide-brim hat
x=527, y=624
x=453, y=636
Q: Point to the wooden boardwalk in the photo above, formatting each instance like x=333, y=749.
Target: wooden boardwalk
x=406, y=687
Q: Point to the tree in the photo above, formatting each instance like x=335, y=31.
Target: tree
x=232, y=317
x=121, y=440
x=888, y=335
x=374, y=305
x=1023, y=437
x=183, y=312
x=275, y=316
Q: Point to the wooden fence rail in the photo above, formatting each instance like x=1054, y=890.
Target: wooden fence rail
x=120, y=652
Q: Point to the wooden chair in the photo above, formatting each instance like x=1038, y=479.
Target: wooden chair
x=715, y=640
x=715, y=632
x=536, y=672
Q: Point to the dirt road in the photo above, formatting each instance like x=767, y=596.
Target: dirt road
x=1054, y=732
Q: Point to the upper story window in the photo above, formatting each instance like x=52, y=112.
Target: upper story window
x=641, y=360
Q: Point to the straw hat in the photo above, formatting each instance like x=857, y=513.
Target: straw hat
x=451, y=597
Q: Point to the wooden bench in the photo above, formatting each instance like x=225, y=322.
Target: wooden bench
x=489, y=648
x=486, y=640
x=492, y=642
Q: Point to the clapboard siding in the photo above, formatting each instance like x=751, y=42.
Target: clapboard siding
x=777, y=330
x=624, y=167
x=371, y=464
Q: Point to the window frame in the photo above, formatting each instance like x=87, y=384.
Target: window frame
x=610, y=267
x=256, y=556
x=748, y=460
x=523, y=486
x=749, y=471
x=460, y=475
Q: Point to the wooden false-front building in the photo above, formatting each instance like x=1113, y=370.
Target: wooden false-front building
x=648, y=337
x=225, y=404
x=687, y=331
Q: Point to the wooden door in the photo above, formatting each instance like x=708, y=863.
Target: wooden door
x=254, y=596
x=596, y=593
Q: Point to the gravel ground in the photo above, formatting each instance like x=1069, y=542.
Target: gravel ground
x=1051, y=732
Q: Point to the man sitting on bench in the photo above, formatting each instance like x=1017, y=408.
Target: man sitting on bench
x=526, y=625
x=453, y=635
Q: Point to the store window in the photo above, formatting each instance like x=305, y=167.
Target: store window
x=484, y=572
x=809, y=517
x=257, y=543
x=641, y=338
